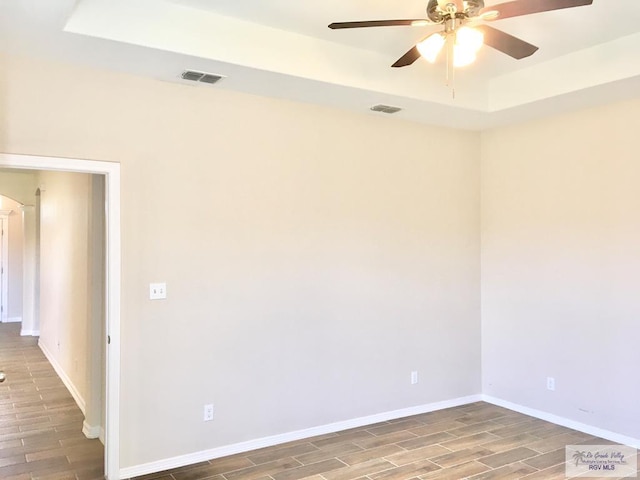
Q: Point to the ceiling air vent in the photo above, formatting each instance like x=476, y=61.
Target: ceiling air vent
x=385, y=109
x=201, y=77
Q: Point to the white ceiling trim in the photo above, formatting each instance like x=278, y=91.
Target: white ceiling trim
x=609, y=62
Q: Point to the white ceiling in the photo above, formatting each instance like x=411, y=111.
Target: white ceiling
x=283, y=48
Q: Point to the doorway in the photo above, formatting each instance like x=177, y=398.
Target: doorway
x=111, y=173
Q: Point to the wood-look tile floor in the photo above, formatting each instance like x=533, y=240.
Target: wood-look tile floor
x=40, y=424
x=478, y=441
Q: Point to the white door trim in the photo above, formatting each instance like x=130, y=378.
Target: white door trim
x=113, y=255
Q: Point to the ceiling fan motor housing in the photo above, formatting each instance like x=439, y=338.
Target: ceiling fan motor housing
x=436, y=14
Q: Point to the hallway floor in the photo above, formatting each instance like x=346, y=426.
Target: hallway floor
x=40, y=424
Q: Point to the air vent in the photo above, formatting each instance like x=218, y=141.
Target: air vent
x=201, y=77
x=385, y=109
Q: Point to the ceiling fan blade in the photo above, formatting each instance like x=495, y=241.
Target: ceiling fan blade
x=527, y=7
x=408, y=58
x=380, y=23
x=512, y=46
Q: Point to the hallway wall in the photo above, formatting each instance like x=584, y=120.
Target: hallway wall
x=15, y=256
x=64, y=274
x=19, y=185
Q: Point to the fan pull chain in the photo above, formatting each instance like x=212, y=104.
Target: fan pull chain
x=451, y=71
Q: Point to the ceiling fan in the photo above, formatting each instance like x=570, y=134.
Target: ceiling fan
x=463, y=34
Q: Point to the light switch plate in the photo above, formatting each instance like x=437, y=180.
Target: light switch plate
x=208, y=412
x=157, y=291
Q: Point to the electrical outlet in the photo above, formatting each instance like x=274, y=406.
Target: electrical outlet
x=414, y=378
x=208, y=412
x=551, y=383
x=157, y=291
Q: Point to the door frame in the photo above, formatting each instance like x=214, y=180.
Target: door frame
x=111, y=171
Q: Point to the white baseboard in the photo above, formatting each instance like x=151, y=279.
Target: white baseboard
x=242, y=447
x=13, y=320
x=63, y=376
x=29, y=333
x=93, y=431
x=565, y=422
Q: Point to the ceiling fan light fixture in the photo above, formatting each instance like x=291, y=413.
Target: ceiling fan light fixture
x=463, y=56
x=431, y=46
x=469, y=38
x=463, y=43
x=467, y=44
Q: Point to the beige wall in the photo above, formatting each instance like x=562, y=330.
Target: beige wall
x=18, y=185
x=313, y=257
x=561, y=266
